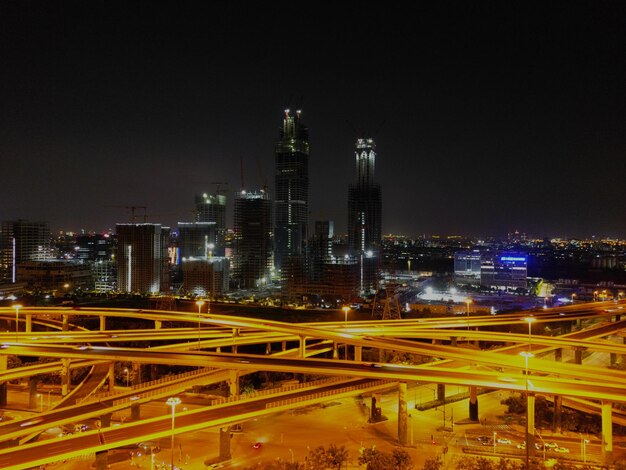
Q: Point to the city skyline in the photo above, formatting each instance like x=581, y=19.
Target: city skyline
x=487, y=119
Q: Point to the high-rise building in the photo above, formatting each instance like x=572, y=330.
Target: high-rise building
x=211, y=208
x=206, y=277
x=505, y=270
x=467, y=265
x=197, y=240
x=365, y=215
x=252, y=239
x=141, y=256
x=292, y=189
x=21, y=241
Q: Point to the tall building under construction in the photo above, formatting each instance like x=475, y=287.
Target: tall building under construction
x=365, y=215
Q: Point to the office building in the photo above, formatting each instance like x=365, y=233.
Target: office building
x=211, y=208
x=467, y=265
x=205, y=277
x=197, y=240
x=365, y=215
x=21, y=241
x=291, y=189
x=504, y=271
x=142, y=258
x=252, y=239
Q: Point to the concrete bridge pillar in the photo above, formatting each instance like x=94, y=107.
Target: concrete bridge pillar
x=102, y=461
x=103, y=323
x=558, y=354
x=578, y=355
x=65, y=376
x=358, y=353
x=268, y=348
x=453, y=341
x=32, y=393
x=136, y=375
x=335, y=351
x=135, y=412
x=158, y=324
x=302, y=347
x=105, y=420
x=225, y=443
x=607, y=432
x=441, y=392
x=473, y=403
x=402, y=414
x=29, y=322
x=283, y=346
x=233, y=383
x=613, y=360
x=3, y=385
x=65, y=320
x=556, y=424
x=530, y=423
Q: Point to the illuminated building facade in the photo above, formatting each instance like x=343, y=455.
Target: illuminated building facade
x=142, y=258
x=211, y=208
x=505, y=270
x=206, y=277
x=21, y=241
x=292, y=189
x=467, y=266
x=197, y=240
x=252, y=239
x=365, y=215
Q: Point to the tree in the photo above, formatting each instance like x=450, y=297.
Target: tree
x=336, y=456
x=317, y=457
x=433, y=464
x=402, y=459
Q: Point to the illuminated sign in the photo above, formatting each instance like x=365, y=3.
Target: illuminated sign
x=512, y=258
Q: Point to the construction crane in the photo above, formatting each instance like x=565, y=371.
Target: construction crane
x=218, y=185
x=132, y=211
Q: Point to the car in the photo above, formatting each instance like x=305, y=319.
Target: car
x=521, y=446
x=504, y=440
x=562, y=450
x=257, y=445
x=551, y=445
x=483, y=438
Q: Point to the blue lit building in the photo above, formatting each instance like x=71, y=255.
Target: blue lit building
x=504, y=270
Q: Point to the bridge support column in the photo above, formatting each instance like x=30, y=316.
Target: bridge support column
x=402, y=414
x=556, y=424
x=136, y=376
x=233, y=383
x=530, y=423
x=103, y=323
x=607, y=432
x=102, y=461
x=32, y=393
x=441, y=392
x=335, y=351
x=135, y=412
x=578, y=355
x=302, y=347
x=65, y=320
x=358, y=353
x=473, y=403
x=3, y=385
x=613, y=360
x=453, y=341
x=29, y=322
x=65, y=376
x=158, y=324
x=105, y=420
x=268, y=348
x=225, y=443
x=283, y=346
x=558, y=354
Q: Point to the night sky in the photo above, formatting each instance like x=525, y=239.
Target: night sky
x=488, y=116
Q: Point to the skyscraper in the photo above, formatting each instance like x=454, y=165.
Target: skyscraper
x=252, y=239
x=365, y=214
x=212, y=208
x=292, y=189
x=141, y=256
x=21, y=241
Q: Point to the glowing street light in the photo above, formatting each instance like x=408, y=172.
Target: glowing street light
x=573, y=295
x=468, y=301
x=530, y=321
x=127, y=375
x=345, y=309
x=199, y=303
x=17, y=319
x=173, y=401
x=527, y=355
x=40, y=396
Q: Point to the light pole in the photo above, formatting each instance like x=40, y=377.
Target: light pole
x=291, y=452
x=17, y=319
x=530, y=321
x=127, y=375
x=583, y=446
x=199, y=303
x=494, y=442
x=468, y=301
x=345, y=309
x=40, y=396
x=173, y=401
x=573, y=295
x=527, y=355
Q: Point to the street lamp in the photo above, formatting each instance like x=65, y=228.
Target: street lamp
x=345, y=309
x=173, y=401
x=17, y=319
x=527, y=355
x=573, y=295
x=494, y=442
x=199, y=303
x=583, y=446
x=127, y=374
x=468, y=301
x=40, y=396
x=530, y=321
